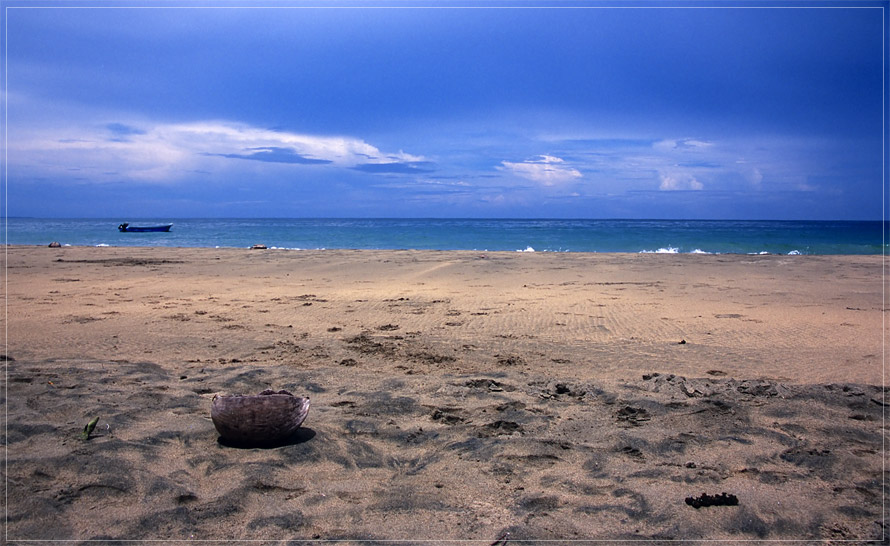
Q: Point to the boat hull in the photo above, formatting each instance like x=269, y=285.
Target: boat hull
x=126, y=228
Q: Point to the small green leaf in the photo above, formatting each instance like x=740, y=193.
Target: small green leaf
x=87, y=430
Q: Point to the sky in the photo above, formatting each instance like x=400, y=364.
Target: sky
x=721, y=110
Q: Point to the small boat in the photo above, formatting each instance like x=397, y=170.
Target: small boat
x=140, y=229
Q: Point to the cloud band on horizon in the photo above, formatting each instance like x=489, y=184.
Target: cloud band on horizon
x=543, y=169
x=166, y=153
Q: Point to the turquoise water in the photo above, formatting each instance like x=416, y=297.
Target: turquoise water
x=674, y=236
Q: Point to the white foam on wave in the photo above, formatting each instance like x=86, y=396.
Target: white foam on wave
x=527, y=249
x=668, y=250
x=768, y=253
x=674, y=250
x=103, y=244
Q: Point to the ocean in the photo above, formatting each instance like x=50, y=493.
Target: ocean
x=627, y=236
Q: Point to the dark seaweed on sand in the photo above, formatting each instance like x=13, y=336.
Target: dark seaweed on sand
x=723, y=499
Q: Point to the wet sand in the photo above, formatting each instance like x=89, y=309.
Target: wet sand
x=455, y=395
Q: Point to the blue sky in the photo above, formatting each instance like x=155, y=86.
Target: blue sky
x=505, y=109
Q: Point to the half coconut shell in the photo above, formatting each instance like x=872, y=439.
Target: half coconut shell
x=264, y=418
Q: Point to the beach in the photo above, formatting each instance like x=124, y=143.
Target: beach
x=485, y=396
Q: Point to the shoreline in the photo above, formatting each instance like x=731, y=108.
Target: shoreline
x=455, y=394
x=529, y=250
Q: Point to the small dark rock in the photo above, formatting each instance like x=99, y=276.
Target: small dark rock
x=510, y=360
x=632, y=415
x=758, y=388
x=490, y=384
x=444, y=415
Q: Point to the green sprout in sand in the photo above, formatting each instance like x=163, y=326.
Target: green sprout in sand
x=87, y=430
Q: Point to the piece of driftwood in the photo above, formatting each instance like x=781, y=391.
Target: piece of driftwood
x=268, y=417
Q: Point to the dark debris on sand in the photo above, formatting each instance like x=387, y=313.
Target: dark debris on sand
x=705, y=500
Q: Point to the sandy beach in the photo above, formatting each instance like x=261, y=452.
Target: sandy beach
x=492, y=397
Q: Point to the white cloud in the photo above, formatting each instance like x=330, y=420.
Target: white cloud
x=227, y=138
x=166, y=152
x=544, y=169
x=679, y=181
x=754, y=177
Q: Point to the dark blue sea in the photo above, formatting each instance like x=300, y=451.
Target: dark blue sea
x=658, y=236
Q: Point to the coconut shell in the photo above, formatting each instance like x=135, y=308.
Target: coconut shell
x=264, y=418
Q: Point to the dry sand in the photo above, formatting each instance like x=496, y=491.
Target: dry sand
x=455, y=395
